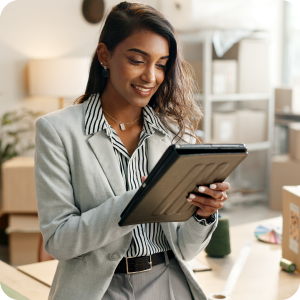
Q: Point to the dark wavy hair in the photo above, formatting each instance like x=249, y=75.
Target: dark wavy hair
x=174, y=100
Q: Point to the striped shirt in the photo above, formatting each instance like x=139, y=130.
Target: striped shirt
x=147, y=239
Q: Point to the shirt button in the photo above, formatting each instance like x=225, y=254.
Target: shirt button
x=114, y=256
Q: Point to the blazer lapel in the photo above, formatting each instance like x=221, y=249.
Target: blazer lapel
x=104, y=152
x=157, y=144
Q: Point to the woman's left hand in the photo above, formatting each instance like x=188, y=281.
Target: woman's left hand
x=210, y=200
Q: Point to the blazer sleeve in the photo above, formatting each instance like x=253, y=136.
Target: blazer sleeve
x=194, y=237
x=67, y=232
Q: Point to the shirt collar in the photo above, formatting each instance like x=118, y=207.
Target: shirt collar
x=95, y=120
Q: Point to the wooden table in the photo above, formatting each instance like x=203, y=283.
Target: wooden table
x=261, y=277
x=22, y=284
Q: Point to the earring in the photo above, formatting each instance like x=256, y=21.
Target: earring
x=105, y=72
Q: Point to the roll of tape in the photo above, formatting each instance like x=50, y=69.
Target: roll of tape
x=219, y=245
x=287, y=265
x=218, y=296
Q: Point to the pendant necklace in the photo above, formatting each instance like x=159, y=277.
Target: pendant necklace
x=122, y=125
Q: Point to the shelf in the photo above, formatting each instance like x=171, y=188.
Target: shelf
x=206, y=100
x=287, y=116
x=200, y=36
x=234, y=97
x=258, y=146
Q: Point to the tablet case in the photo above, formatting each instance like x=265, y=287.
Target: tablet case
x=182, y=168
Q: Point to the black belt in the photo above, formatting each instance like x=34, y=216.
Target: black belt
x=131, y=265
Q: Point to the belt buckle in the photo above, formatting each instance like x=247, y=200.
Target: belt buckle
x=127, y=271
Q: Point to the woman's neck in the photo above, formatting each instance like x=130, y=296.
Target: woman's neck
x=118, y=107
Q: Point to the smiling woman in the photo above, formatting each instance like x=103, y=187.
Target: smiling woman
x=134, y=41
x=92, y=157
x=135, y=74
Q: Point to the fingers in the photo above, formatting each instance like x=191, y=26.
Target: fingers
x=201, y=201
x=222, y=186
x=211, y=198
x=205, y=210
x=218, y=195
x=216, y=190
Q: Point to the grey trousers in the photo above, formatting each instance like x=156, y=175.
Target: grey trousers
x=163, y=282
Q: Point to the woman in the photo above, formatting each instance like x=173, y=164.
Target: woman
x=92, y=157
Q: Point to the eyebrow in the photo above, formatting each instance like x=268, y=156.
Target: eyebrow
x=145, y=53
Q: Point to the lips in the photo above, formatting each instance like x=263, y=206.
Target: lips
x=142, y=90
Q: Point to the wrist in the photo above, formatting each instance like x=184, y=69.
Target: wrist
x=205, y=220
x=202, y=217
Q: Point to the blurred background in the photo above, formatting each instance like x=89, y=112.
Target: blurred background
x=246, y=57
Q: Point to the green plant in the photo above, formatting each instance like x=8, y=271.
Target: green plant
x=16, y=133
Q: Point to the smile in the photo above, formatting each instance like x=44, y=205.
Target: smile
x=141, y=89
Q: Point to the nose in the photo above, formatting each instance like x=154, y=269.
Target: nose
x=149, y=74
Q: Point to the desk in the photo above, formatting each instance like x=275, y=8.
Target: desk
x=261, y=277
x=22, y=284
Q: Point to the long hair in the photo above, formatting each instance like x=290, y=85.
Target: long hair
x=174, y=100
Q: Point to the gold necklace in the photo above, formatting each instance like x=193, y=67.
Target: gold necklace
x=122, y=125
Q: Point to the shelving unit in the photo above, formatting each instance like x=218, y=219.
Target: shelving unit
x=282, y=122
x=233, y=97
x=206, y=99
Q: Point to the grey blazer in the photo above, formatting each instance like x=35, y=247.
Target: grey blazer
x=80, y=196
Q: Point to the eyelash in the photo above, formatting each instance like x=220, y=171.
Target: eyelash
x=136, y=62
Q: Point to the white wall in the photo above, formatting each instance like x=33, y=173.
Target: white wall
x=277, y=45
x=34, y=29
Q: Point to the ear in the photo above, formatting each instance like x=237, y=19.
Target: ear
x=103, y=54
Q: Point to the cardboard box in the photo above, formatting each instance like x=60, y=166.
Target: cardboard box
x=294, y=140
x=253, y=61
x=224, y=76
x=284, y=171
x=242, y=126
x=287, y=99
x=251, y=126
x=18, y=189
x=231, y=53
x=224, y=127
x=24, y=239
x=253, y=64
x=291, y=230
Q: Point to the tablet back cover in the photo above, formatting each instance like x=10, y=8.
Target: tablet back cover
x=166, y=200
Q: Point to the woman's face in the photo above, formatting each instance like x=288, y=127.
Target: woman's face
x=137, y=67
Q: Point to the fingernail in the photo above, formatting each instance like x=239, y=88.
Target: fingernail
x=201, y=189
x=213, y=186
x=189, y=200
x=192, y=196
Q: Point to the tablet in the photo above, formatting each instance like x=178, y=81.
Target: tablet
x=181, y=169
